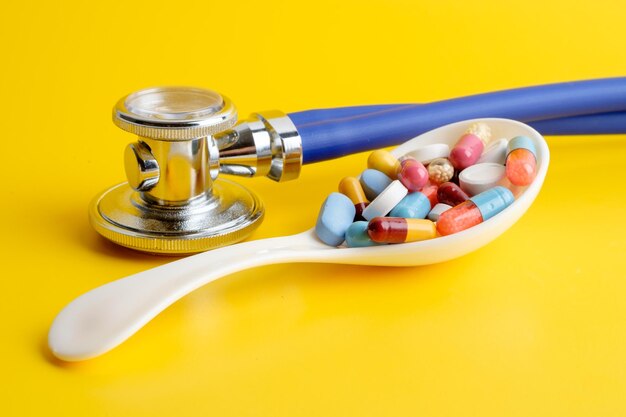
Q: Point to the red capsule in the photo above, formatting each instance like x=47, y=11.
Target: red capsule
x=430, y=191
x=451, y=194
x=400, y=230
x=359, y=211
x=412, y=174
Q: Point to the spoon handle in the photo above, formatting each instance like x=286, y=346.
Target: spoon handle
x=104, y=317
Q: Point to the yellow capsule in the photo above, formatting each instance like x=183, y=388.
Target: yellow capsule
x=420, y=229
x=385, y=162
x=351, y=188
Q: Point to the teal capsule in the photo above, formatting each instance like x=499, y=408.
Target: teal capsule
x=357, y=236
x=414, y=206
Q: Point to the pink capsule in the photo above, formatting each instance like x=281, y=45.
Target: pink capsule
x=470, y=146
x=466, y=151
x=412, y=174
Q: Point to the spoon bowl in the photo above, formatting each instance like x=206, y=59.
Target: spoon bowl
x=101, y=319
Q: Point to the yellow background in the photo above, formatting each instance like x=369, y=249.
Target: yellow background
x=534, y=324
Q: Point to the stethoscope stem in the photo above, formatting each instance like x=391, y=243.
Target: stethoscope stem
x=588, y=124
x=582, y=107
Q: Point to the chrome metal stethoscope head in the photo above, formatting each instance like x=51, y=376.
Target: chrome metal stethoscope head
x=174, y=202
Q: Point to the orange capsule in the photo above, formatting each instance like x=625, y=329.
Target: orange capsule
x=521, y=163
x=459, y=218
x=474, y=211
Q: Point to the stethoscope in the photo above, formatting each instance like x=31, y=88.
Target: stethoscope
x=174, y=202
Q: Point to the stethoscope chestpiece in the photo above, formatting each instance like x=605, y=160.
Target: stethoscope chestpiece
x=173, y=202
x=174, y=113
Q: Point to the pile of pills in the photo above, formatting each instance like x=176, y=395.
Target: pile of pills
x=430, y=191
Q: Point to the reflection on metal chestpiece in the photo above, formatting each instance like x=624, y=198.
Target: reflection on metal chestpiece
x=174, y=202
x=174, y=113
x=175, y=158
x=268, y=143
x=142, y=168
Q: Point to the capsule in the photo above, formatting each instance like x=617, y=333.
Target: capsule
x=440, y=170
x=415, y=206
x=470, y=146
x=384, y=162
x=400, y=230
x=521, y=161
x=451, y=194
x=351, y=188
x=357, y=236
x=474, y=211
x=412, y=174
x=430, y=191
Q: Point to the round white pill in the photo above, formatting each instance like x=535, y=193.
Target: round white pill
x=386, y=201
x=437, y=211
x=495, y=152
x=481, y=177
x=427, y=153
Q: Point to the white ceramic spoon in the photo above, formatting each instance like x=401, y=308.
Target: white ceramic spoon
x=101, y=319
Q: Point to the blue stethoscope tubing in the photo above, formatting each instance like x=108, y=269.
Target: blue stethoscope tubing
x=571, y=108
